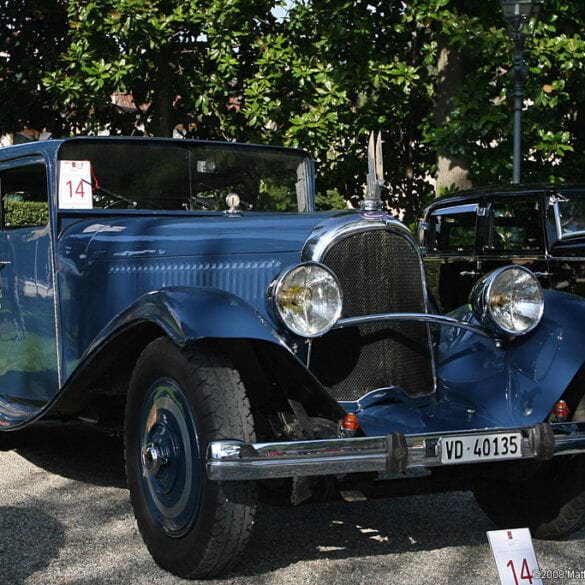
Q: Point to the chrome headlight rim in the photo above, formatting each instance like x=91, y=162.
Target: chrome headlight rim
x=487, y=297
x=280, y=287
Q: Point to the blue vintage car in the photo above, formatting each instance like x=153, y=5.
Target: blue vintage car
x=252, y=348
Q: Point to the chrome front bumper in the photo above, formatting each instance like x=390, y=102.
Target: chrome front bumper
x=235, y=460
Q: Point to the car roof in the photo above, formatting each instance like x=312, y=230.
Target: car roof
x=16, y=151
x=49, y=147
x=463, y=197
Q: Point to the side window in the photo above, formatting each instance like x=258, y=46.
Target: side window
x=24, y=196
x=453, y=229
x=571, y=213
x=515, y=226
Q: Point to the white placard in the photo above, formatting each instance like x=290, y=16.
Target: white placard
x=514, y=555
x=75, y=184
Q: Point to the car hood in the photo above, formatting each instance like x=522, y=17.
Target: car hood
x=119, y=237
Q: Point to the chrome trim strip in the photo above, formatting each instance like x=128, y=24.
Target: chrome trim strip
x=554, y=198
x=337, y=228
x=421, y=317
x=235, y=460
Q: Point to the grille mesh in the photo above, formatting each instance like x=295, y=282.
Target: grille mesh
x=379, y=272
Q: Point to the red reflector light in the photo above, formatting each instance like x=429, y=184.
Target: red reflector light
x=561, y=409
x=350, y=422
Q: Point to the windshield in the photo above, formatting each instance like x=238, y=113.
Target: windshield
x=185, y=175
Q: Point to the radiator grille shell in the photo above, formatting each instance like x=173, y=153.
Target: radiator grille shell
x=380, y=272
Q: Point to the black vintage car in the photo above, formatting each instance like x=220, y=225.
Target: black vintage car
x=470, y=234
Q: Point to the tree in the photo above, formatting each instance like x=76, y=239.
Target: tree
x=431, y=75
x=555, y=133
x=332, y=73
x=478, y=128
x=180, y=61
x=32, y=34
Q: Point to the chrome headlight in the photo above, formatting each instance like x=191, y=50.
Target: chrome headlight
x=307, y=299
x=509, y=300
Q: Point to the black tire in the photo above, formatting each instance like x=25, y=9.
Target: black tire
x=550, y=501
x=179, y=401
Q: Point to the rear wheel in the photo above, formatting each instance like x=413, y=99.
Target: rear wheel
x=551, y=501
x=179, y=401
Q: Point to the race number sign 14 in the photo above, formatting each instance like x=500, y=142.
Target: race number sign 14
x=514, y=555
x=75, y=184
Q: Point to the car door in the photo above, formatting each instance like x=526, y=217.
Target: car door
x=513, y=232
x=28, y=353
x=450, y=253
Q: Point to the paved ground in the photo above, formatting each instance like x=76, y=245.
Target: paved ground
x=65, y=518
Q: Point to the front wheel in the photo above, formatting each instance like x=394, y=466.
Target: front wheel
x=178, y=401
x=551, y=501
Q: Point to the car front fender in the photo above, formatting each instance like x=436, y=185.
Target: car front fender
x=518, y=380
x=187, y=314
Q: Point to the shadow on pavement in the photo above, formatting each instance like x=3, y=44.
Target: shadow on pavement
x=30, y=540
x=283, y=535
x=341, y=530
x=391, y=526
x=75, y=450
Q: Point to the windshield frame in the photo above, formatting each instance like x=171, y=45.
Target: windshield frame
x=256, y=164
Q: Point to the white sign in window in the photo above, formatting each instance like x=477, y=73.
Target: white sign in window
x=75, y=190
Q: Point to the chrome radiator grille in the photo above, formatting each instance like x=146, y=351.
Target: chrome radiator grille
x=379, y=272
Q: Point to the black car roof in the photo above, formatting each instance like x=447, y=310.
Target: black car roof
x=463, y=197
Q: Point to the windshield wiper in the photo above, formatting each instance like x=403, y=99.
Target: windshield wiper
x=115, y=196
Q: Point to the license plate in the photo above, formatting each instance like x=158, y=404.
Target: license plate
x=480, y=447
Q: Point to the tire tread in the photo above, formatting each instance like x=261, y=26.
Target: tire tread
x=225, y=521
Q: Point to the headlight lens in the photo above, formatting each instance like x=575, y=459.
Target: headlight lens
x=508, y=300
x=307, y=299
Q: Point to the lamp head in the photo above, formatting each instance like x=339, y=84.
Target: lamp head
x=521, y=16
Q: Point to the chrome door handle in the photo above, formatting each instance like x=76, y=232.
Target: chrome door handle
x=469, y=273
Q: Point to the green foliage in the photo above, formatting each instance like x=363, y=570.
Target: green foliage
x=329, y=200
x=25, y=213
x=479, y=124
x=32, y=35
x=432, y=75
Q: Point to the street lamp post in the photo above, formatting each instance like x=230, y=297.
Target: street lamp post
x=520, y=17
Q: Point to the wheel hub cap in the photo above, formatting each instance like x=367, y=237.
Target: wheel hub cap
x=153, y=458
x=170, y=458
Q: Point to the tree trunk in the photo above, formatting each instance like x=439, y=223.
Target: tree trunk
x=163, y=98
x=452, y=172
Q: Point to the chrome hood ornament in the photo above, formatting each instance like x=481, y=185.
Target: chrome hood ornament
x=375, y=177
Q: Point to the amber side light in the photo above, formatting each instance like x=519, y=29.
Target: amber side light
x=350, y=422
x=561, y=411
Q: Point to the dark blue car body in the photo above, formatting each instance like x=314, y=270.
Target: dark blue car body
x=87, y=287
